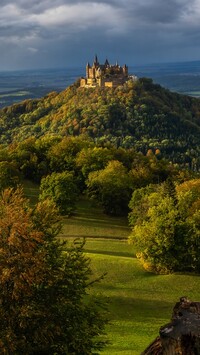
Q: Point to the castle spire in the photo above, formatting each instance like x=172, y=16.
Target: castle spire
x=106, y=62
x=96, y=62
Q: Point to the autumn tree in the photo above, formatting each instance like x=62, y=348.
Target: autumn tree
x=44, y=303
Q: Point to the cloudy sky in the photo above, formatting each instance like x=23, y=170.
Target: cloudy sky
x=62, y=33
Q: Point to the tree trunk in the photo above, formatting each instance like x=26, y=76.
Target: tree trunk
x=182, y=335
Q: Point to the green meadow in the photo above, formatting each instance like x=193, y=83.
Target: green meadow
x=139, y=302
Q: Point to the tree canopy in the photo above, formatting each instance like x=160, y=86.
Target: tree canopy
x=139, y=114
x=111, y=187
x=61, y=189
x=165, y=232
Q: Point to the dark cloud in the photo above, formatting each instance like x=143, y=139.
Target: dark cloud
x=58, y=32
x=160, y=11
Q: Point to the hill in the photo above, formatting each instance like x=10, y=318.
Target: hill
x=140, y=114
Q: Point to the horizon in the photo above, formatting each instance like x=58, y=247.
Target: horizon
x=71, y=67
x=18, y=85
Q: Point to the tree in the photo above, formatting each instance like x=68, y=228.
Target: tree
x=62, y=156
x=60, y=188
x=44, y=303
x=92, y=159
x=9, y=175
x=165, y=232
x=111, y=187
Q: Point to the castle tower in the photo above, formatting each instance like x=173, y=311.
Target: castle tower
x=87, y=69
x=125, y=70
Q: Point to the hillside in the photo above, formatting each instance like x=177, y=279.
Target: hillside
x=141, y=115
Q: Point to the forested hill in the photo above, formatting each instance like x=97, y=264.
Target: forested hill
x=139, y=114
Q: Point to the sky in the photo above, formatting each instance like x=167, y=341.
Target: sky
x=68, y=33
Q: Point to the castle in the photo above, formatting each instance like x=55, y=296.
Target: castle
x=104, y=75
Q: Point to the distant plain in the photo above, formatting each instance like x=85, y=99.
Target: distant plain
x=16, y=86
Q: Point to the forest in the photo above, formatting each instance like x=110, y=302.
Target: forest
x=140, y=115
x=133, y=152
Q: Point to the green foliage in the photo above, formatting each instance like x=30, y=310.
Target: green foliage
x=139, y=114
x=93, y=159
x=44, y=306
x=111, y=187
x=9, y=175
x=38, y=158
x=61, y=189
x=62, y=156
x=149, y=169
x=165, y=233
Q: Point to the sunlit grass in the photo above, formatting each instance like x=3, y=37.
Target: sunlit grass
x=139, y=302
x=89, y=221
x=31, y=191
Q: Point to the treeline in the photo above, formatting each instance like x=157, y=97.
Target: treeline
x=106, y=173
x=139, y=115
x=161, y=200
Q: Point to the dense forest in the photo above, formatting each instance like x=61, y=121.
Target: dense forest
x=139, y=115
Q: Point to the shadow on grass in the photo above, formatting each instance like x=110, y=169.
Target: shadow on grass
x=142, y=310
x=96, y=221
x=97, y=237
x=111, y=253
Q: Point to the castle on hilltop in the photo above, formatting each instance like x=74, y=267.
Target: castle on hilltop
x=104, y=75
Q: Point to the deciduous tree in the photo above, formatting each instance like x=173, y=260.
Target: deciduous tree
x=44, y=306
x=166, y=226
x=9, y=175
x=111, y=187
x=60, y=188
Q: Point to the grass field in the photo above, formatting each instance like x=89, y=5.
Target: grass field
x=139, y=302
